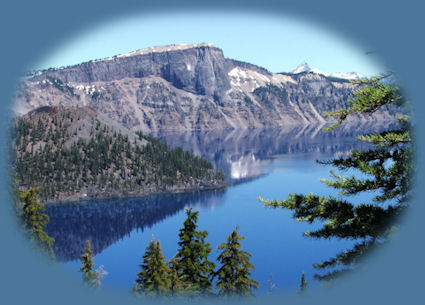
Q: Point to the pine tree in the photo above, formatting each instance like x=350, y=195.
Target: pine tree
x=177, y=288
x=154, y=278
x=35, y=220
x=304, y=283
x=387, y=171
x=191, y=262
x=87, y=265
x=233, y=277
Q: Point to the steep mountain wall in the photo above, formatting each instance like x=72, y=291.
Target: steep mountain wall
x=190, y=87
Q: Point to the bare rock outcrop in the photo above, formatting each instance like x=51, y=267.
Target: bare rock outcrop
x=190, y=87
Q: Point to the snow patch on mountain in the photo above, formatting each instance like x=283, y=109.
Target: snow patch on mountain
x=247, y=80
x=303, y=67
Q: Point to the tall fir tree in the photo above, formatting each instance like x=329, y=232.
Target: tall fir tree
x=233, y=277
x=154, y=279
x=191, y=262
x=386, y=169
x=34, y=219
x=87, y=265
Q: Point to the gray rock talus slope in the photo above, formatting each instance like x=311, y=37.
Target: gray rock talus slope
x=188, y=87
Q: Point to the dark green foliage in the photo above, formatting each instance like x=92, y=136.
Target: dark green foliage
x=35, y=220
x=369, y=98
x=155, y=277
x=177, y=283
x=233, y=277
x=176, y=160
x=387, y=171
x=177, y=287
x=194, y=270
x=87, y=265
x=54, y=152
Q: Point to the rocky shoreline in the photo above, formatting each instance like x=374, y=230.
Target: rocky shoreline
x=98, y=194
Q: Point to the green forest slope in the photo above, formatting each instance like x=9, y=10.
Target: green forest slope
x=77, y=153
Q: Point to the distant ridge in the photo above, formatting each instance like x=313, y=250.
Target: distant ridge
x=192, y=87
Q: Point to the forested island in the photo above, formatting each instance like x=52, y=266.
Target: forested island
x=75, y=153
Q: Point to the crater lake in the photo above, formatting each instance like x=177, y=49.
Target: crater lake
x=270, y=163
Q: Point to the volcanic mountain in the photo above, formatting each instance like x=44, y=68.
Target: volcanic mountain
x=190, y=87
x=76, y=153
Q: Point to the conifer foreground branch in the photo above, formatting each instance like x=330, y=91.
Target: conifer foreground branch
x=386, y=170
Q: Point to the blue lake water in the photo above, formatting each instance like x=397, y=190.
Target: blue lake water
x=267, y=163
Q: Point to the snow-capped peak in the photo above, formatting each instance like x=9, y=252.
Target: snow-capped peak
x=305, y=68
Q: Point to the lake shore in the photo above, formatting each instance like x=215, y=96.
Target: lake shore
x=94, y=193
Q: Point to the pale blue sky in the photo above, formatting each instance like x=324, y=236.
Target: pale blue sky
x=276, y=43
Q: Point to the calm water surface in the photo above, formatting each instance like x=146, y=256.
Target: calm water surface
x=270, y=163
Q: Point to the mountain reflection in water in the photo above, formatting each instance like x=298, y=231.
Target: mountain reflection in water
x=243, y=155
x=107, y=221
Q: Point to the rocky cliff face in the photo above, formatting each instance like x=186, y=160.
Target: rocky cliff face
x=187, y=87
